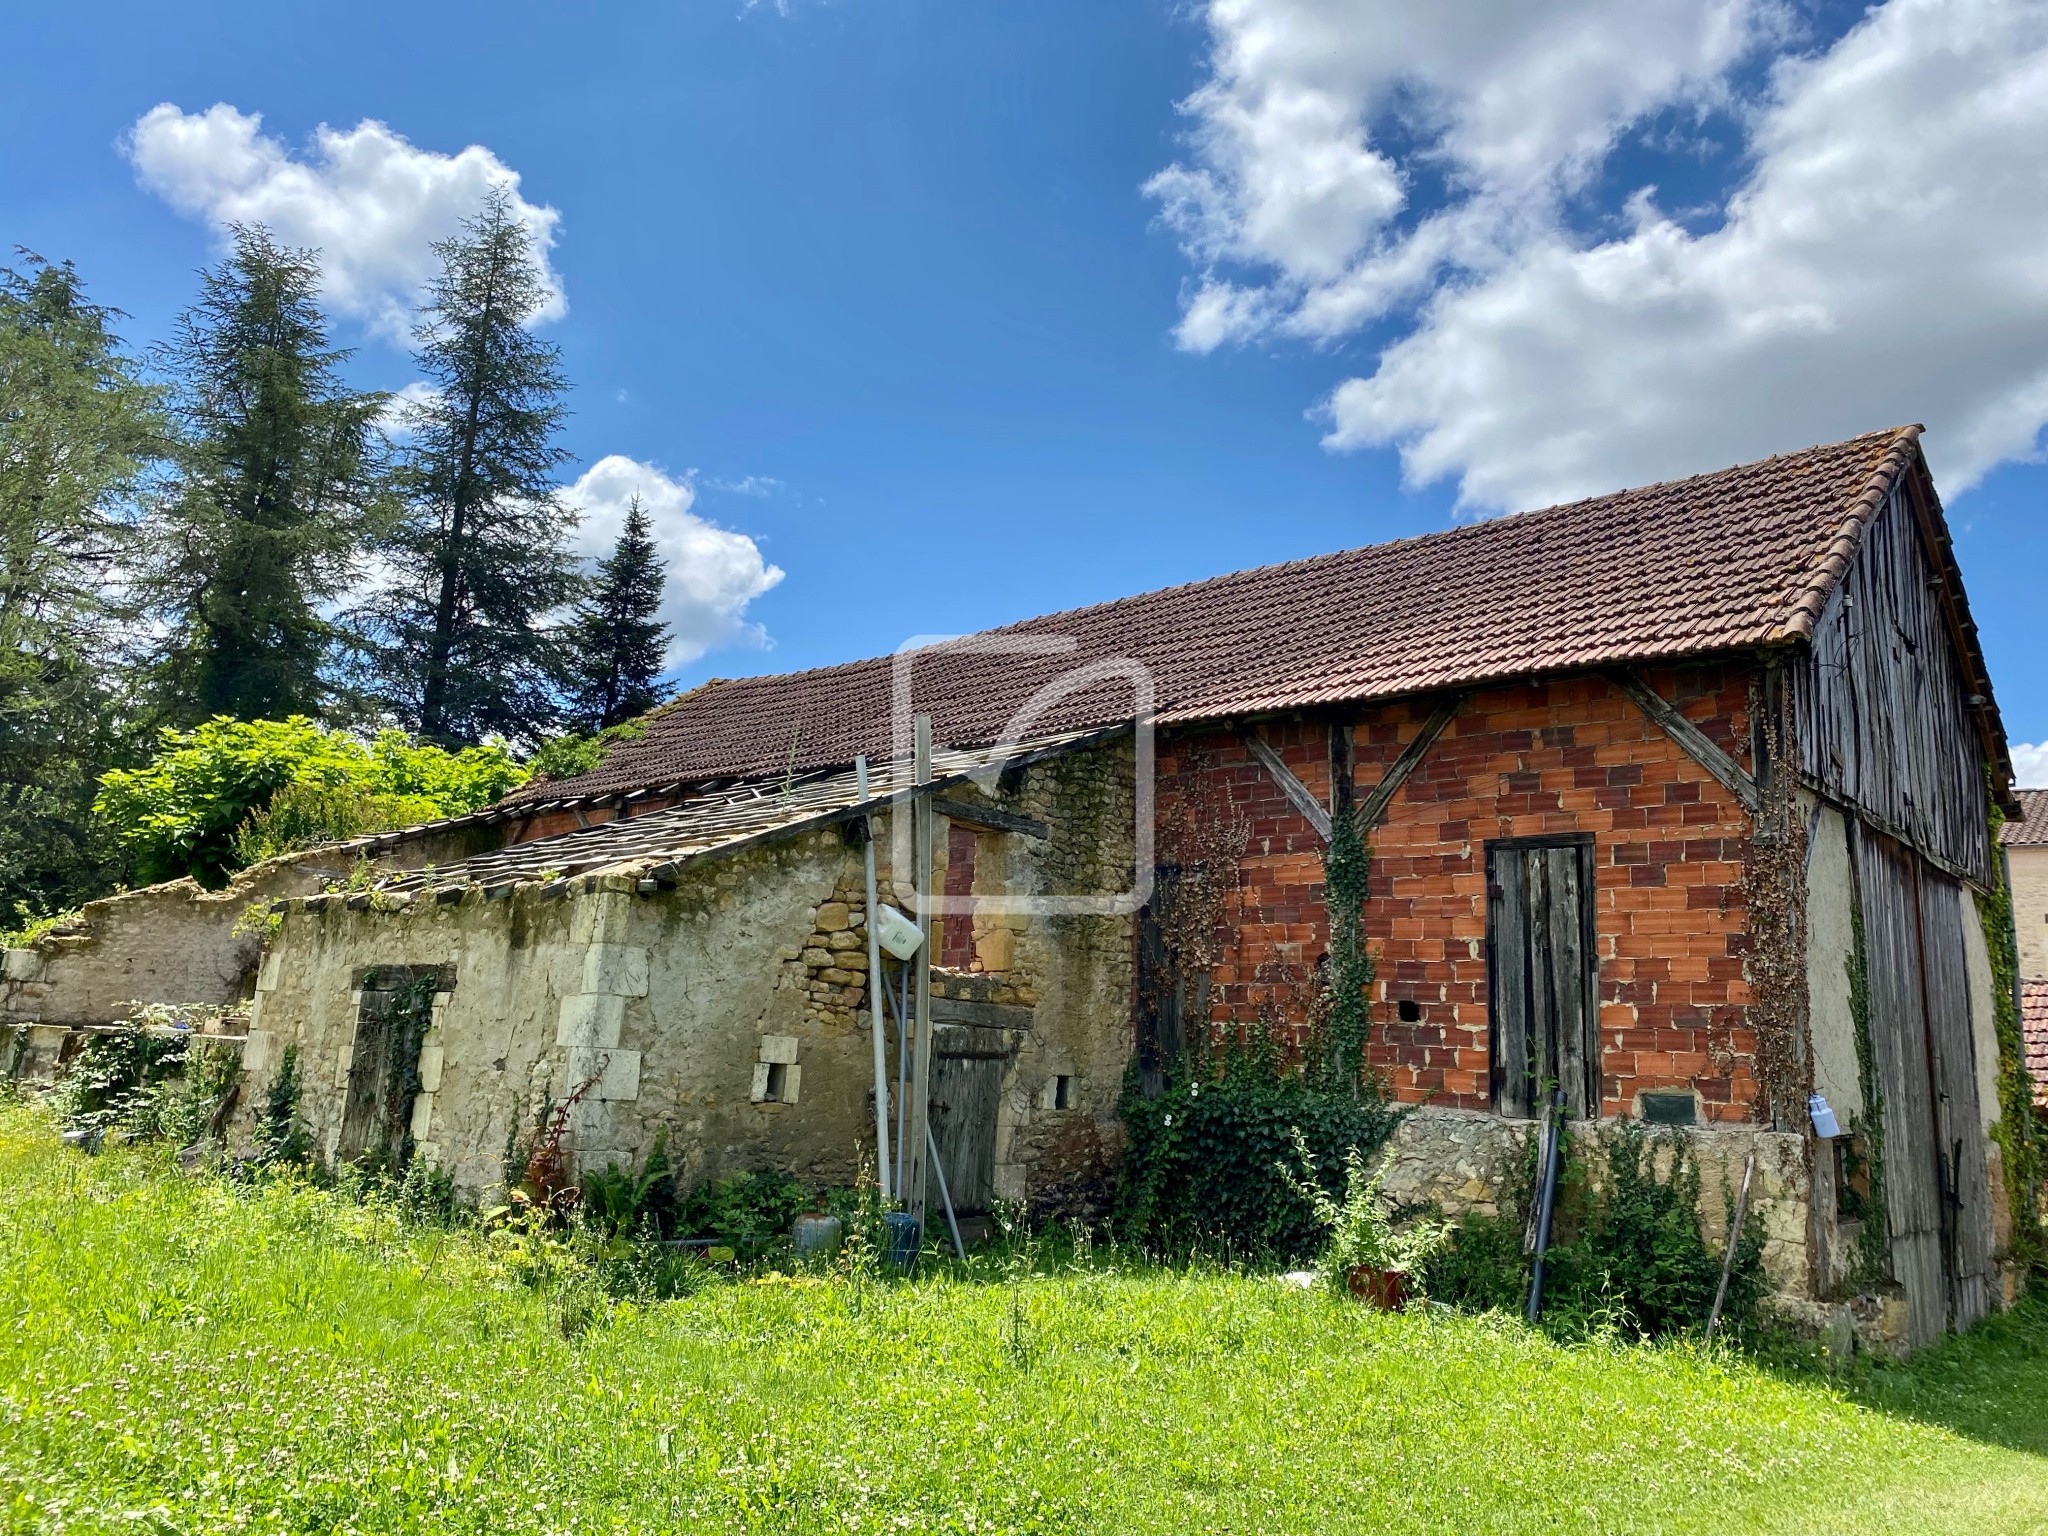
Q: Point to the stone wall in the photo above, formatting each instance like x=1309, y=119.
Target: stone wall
x=667, y=1007
x=175, y=943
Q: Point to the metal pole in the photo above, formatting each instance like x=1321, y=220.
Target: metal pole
x=1547, y=1204
x=877, y=986
x=1734, y=1237
x=931, y=1143
x=922, y=819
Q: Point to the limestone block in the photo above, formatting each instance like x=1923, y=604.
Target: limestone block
x=431, y=1059
x=834, y=917
x=259, y=1051
x=422, y=1115
x=267, y=977
x=996, y=949
x=591, y=1020
x=792, y=1083
x=342, y=1057
x=23, y=965
x=779, y=1050
x=619, y=969
x=616, y=1074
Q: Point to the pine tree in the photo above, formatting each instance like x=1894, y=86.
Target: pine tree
x=461, y=643
x=616, y=640
x=79, y=434
x=275, y=494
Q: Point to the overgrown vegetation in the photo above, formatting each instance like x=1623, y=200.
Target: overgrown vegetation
x=2022, y=1140
x=228, y=791
x=1628, y=1256
x=194, y=1355
x=1205, y=1161
x=154, y=1080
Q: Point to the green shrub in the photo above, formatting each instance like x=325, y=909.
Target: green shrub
x=746, y=1211
x=157, y=1082
x=1364, y=1228
x=1203, y=1162
x=1629, y=1256
x=199, y=806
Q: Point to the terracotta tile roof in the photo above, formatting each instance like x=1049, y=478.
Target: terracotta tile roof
x=1725, y=561
x=2030, y=829
x=2034, y=1031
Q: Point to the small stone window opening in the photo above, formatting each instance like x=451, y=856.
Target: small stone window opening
x=1410, y=1011
x=778, y=1083
x=777, y=1077
x=1063, y=1092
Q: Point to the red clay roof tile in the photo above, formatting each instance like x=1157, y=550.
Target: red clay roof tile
x=1739, y=558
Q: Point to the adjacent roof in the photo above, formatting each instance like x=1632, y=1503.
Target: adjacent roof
x=1740, y=558
x=661, y=842
x=2034, y=1031
x=2030, y=828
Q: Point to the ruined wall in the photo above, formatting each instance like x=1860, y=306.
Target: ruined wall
x=1570, y=755
x=176, y=942
x=671, y=1003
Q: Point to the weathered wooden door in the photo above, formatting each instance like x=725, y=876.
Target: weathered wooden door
x=1961, y=1155
x=366, y=1110
x=1936, y=1200
x=1543, y=974
x=967, y=1085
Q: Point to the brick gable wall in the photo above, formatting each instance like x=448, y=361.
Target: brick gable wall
x=1566, y=756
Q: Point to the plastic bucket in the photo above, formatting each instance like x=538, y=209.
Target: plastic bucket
x=900, y=1241
x=816, y=1235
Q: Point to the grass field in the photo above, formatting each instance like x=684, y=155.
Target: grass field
x=177, y=1356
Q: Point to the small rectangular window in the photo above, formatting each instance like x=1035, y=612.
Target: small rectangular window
x=1062, y=1092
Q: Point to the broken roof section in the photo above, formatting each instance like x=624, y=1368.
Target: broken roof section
x=2034, y=1034
x=1733, y=560
x=660, y=844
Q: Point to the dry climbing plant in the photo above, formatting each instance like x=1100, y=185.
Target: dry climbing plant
x=1774, y=893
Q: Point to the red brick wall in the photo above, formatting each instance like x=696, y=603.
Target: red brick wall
x=1566, y=756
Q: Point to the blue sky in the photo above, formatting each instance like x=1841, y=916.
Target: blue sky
x=1125, y=294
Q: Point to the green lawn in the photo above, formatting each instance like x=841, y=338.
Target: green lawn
x=177, y=1356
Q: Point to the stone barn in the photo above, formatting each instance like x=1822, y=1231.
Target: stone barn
x=1678, y=800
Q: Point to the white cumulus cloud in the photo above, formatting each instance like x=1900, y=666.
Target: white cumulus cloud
x=1879, y=263
x=370, y=200
x=713, y=573
x=2030, y=765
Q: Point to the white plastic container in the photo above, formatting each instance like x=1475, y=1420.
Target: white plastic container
x=1825, y=1125
x=899, y=935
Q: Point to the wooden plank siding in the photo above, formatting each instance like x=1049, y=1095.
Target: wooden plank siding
x=1882, y=708
x=1887, y=887
x=1962, y=1155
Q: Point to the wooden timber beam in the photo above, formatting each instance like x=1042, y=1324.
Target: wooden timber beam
x=1296, y=792
x=1374, y=806
x=967, y=813
x=1695, y=742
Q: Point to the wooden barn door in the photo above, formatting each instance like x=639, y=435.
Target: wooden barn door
x=1542, y=974
x=967, y=1085
x=1961, y=1155
x=1937, y=1205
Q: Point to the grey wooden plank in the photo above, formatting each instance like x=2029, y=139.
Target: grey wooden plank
x=1296, y=792
x=1508, y=956
x=1887, y=891
x=1566, y=935
x=1544, y=1067
x=961, y=1010
x=995, y=819
x=965, y=1095
x=1962, y=1151
x=1374, y=806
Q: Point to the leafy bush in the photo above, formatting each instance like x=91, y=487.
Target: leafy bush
x=203, y=806
x=1630, y=1255
x=155, y=1082
x=1363, y=1227
x=622, y=1203
x=1202, y=1167
x=747, y=1211
x=30, y=925
x=564, y=757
